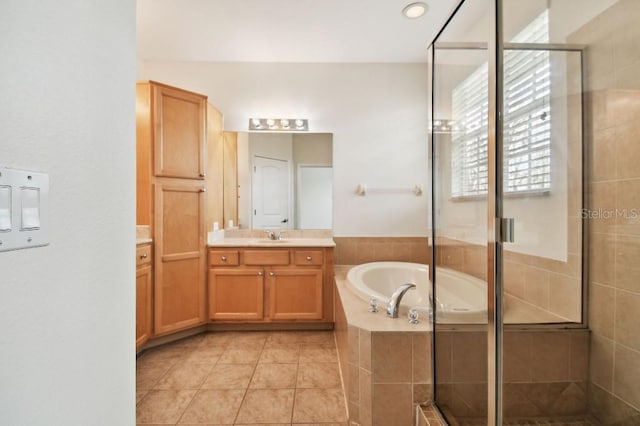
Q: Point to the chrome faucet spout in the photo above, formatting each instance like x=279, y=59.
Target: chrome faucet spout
x=396, y=297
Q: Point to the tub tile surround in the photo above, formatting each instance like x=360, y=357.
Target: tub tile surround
x=613, y=137
x=357, y=250
x=385, y=362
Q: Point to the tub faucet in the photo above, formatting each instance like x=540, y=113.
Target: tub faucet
x=396, y=297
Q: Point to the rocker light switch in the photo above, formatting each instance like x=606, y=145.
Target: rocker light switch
x=5, y=208
x=30, y=208
x=24, y=209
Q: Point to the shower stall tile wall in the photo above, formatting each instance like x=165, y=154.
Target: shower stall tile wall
x=613, y=89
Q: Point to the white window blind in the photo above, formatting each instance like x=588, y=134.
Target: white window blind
x=527, y=121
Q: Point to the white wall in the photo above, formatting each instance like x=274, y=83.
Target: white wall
x=376, y=112
x=67, y=319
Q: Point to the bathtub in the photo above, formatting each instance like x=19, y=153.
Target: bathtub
x=460, y=298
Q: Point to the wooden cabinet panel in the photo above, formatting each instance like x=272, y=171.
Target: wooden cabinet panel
x=295, y=294
x=223, y=257
x=307, y=257
x=180, y=257
x=230, y=167
x=144, y=302
x=179, y=133
x=236, y=294
x=266, y=257
x=215, y=178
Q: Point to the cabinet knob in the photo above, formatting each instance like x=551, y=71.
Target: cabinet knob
x=309, y=258
x=260, y=273
x=203, y=175
x=271, y=274
x=223, y=258
x=143, y=256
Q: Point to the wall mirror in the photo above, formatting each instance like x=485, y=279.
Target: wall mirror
x=284, y=180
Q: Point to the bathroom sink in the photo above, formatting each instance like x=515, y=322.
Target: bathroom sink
x=268, y=241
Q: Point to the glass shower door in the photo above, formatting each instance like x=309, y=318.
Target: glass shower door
x=459, y=138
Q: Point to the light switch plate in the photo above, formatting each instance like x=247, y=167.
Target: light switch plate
x=24, y=209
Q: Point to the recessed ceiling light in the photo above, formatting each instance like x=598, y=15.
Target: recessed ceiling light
x=415, y=10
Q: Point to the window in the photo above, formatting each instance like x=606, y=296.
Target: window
x=527, y=121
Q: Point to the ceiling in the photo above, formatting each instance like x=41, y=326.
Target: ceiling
x=312, y=31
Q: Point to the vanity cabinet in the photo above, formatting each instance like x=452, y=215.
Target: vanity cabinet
x=144, y=298
x=271, y=284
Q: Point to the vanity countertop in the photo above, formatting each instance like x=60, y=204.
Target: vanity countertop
x=265, y=242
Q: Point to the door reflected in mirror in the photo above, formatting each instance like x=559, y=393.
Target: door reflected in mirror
x=285, y=180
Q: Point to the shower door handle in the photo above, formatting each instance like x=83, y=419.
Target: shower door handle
x=507, y=230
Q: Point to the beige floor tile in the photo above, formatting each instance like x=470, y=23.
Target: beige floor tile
x=147, y=377
x=219, y=406
x=322, y=424
x=274, y=376
x=185, y=376
x=164, y=355
x=205, y=354
x=239, y=356
x=318, y=375
x=266, y=406
x=317, y=353
x=215, y=339
x=229, y=376
x=280, y=355
x=163, y=406
x=248, y=340
x=319, y=405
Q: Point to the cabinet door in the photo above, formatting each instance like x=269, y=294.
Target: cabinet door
x=179, y=133
x=180, y=257
x=295, y=294
x=236, y=294
x=143, y=305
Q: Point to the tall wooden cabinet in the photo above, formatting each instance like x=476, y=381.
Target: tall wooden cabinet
x=180, y=256
x=171, y=134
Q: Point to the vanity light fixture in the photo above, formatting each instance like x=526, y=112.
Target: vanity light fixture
x=279, y=124
x=415, y=10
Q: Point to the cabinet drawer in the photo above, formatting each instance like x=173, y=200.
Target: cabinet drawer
x=307, y=257
x=223, y=257
x=143, y=255
x=266, y=257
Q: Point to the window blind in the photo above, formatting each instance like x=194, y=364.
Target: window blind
x=527, y=121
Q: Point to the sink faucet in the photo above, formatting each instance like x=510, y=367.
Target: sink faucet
x=274, y=235
x=396, y=297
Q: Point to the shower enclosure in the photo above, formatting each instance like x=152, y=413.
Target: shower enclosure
x=523, y=93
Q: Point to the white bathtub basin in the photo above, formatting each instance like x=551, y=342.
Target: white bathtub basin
x=459, y=297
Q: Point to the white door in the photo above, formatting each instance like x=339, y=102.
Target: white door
x=315, y=197
x=270, y=193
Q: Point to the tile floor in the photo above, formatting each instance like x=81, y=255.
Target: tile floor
x=242, y=378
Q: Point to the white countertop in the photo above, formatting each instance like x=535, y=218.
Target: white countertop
x=264, y=242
